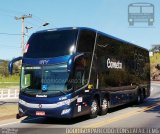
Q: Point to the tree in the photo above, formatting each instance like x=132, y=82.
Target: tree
x=4, y=69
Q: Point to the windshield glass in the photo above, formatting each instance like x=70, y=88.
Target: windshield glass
x=51, y=44
x=45, y=79
x=134, y=10
x=147, y=9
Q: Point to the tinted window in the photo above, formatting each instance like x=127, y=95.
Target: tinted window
x=112, y=65
x=51, y=44
x=86, y=41
x=120, y=64
x=81, y=71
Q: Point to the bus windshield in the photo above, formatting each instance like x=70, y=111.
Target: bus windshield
x=51, y=44
x=47, y=80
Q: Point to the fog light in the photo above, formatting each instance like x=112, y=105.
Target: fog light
x=66, y=111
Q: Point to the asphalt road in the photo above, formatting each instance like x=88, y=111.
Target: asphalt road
x=146, y=115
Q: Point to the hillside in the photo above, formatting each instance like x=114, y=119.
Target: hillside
x=155, y=70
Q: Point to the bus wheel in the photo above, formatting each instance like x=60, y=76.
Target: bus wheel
x=140, y=98
x=94, y=108
x=104, y=107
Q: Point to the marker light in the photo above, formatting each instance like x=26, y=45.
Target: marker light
x=72, y=49
x=26, y=48
x=70, y=61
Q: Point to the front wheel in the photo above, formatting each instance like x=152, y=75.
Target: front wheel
x=94, y=108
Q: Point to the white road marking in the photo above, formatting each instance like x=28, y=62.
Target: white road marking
x=9, y=123
x=19, y=121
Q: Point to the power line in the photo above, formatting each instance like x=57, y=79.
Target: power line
x=7, y=46
x=4, y=14
x=11, y=11
x=38, y=19
x=10, y=34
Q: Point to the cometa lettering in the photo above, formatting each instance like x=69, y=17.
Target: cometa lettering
x=111, y=64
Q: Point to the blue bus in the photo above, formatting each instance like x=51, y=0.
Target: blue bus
x=70, y=72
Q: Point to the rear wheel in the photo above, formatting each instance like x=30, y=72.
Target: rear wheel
x=94, y=108
x=104, y=107
x=140, y=97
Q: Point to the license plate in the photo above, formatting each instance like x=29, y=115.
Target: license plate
x=40, y=113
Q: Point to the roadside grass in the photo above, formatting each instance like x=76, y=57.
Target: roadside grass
x=155, y=59
x=9, y=81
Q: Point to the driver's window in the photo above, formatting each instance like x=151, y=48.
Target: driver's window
x=81, y=71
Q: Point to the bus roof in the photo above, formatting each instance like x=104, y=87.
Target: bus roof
x=86, y=28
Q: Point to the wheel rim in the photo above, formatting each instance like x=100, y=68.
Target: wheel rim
x=104, y=104
x=94, y=107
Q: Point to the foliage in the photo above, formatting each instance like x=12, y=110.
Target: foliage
x=12, y=79
x=4, y=69
x=155, y=59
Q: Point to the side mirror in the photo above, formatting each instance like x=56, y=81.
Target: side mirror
x=72, y=60
x=10, y=64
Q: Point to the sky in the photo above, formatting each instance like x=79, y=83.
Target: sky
x=108, y=16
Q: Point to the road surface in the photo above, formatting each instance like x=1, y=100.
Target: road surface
x=146, y=115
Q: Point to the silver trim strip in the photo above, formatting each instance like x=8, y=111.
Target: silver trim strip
x=54, y=105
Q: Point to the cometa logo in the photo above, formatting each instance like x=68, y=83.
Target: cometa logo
x=112, y=64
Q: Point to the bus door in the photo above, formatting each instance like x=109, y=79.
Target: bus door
x=80, y=79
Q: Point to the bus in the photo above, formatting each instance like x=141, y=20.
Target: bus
x=141, y=12
x=70, y=72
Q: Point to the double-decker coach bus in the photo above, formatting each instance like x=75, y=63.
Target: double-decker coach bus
x=69, y=72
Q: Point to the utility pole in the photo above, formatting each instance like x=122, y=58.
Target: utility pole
x=23, y=34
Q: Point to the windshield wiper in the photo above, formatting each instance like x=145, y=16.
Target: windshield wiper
x=25, y=89
x=28, y=91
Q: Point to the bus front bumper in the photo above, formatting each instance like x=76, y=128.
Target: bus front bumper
x=60, y=112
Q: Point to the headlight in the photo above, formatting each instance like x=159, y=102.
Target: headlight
x=130, y=19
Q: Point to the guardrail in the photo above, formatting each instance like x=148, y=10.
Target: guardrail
x=7, y=94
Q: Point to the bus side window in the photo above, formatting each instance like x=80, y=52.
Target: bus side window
x=86, y=41
x=79, y=73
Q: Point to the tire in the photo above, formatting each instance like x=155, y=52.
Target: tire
x=94, y=109
x=140, y=97
x=104, y=106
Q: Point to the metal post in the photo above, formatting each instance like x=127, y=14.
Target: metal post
x=23, y=34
